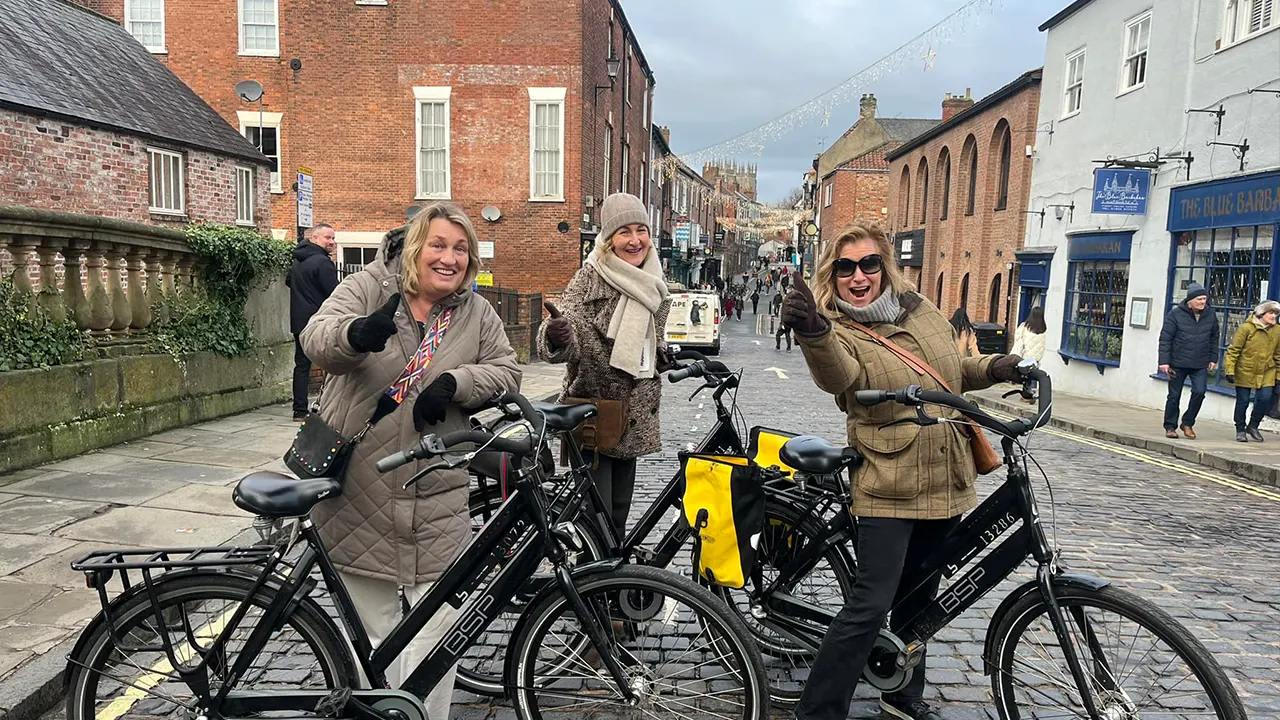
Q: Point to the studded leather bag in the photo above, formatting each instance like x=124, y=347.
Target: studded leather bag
x=318, y=450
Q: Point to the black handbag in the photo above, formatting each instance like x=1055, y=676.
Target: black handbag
x=318, y=450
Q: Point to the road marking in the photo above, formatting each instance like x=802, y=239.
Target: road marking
x=781, y=375
x=160, y=671
x=1176, y=466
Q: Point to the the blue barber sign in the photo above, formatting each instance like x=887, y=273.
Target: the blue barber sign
x=1120, y=191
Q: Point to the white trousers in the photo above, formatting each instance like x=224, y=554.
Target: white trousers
x=378, y=603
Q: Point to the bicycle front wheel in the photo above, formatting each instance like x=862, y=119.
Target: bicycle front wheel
x=1139, y=661
x=682, y=652
x=132, y=677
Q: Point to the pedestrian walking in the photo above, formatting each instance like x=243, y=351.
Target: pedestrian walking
x=1028, y=339
x=1251, y=367
x=916, y=481
x=607, y=332
x=311, y=281
x=777, y=337
x=414, y=299
x=782, y=282
x=729, y=302
x=1188, y=351
x=775, y=304
x=755, y=302
x=966, y=336
x=737, y=307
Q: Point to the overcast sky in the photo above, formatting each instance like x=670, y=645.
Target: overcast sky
x=723, y=67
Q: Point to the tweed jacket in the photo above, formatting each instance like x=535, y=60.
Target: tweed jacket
x=911, y=472
x=1252, y=356
x=376, y=528
x=588, y=302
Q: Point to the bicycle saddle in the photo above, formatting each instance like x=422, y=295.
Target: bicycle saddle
x=565, y=417
x=814, y=455
x=272, y=494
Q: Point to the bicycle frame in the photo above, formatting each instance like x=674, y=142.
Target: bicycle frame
x=513, y=541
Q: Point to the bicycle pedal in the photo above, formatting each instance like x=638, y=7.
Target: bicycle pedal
x=334, y=703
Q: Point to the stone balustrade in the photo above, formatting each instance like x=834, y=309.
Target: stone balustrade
x=106, y=267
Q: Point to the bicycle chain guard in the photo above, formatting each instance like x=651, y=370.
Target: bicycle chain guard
x=890, y=667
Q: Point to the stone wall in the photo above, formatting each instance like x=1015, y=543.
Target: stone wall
x=67, y=410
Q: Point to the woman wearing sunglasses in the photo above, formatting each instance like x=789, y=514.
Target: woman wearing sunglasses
x=916, y=481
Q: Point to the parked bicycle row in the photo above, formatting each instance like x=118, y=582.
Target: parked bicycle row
x=794, y=565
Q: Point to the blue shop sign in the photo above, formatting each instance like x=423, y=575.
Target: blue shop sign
x=1034, y=270
x=1234, y=202
x=1121, y=191
x=1100, y=246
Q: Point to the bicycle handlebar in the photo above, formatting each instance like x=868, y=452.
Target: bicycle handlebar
x=915, y=396
x=431, y=445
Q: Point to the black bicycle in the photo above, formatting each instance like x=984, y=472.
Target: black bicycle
x=1065, y=644
x=213, y=633
x=824, y=582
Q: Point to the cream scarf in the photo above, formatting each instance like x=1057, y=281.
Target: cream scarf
x=632, y=328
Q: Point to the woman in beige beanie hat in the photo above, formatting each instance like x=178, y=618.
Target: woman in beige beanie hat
x=607, y=329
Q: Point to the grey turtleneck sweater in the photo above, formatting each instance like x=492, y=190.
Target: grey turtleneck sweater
x=883, y=309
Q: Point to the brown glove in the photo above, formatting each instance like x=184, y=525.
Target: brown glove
x=559, y=329
x=1005, y=369
x=800, y=311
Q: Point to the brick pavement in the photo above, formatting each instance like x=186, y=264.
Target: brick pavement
x=1201, y=550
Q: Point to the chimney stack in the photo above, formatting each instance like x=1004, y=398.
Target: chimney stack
x=867, y=105
x=953, y=104
x=666, y=134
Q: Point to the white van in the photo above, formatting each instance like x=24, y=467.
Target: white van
x=694, y=321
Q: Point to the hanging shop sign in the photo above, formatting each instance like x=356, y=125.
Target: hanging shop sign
x=1120, y=191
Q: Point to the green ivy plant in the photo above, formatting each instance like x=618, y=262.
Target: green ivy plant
x=29, y=338
x=232, y=261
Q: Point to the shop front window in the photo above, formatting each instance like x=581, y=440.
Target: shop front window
x=1234, y=266
x=1095, y=307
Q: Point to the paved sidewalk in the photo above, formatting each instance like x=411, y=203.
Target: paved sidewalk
x=170, y=489
x=1140, y=427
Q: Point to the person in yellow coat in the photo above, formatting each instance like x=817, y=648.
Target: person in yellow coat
x=1251, y=367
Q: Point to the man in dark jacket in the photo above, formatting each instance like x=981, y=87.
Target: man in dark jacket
x=1189, y=343
x=311, y=279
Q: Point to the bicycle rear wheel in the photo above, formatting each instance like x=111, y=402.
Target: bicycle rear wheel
x=683, y=653
x=134, y=678
x=1140, y=661
x=827, y=585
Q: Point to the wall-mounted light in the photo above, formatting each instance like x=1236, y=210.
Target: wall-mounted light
x=611, y=66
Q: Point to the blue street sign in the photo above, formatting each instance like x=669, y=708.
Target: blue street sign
x=1120, y=191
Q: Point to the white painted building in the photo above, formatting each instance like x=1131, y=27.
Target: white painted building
x=1119, y=77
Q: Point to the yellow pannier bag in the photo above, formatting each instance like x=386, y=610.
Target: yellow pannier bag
x=724, y=505
x=764, y=445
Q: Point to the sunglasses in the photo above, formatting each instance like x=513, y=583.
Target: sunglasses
x=870, y=265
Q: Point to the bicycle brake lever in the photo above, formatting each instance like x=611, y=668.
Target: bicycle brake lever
x=444, y=464
x=1011, y=393
x=923, y=418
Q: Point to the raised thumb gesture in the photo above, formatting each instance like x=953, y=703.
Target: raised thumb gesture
x=370, y=333
x=559, y=329
x=800, y=310
x=552, y=310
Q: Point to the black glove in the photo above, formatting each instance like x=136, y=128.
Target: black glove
x=1231, y=379
x=370, y=333
x=800, y=311
x=559, y=329
x=1005, y=369
x=664, y=359
x=429, y=408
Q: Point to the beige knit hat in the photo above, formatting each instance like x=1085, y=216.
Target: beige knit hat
x=617, y=211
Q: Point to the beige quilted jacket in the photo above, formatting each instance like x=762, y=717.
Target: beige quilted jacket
x=375, y=528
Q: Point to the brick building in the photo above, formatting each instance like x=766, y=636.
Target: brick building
x=395, y=104
x=957, y=198
x=853, y=174
x=96, y=126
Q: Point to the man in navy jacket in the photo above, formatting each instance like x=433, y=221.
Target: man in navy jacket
x=311, y=279
x=1189, y=343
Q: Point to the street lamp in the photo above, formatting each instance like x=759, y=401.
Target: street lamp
x=612, y=64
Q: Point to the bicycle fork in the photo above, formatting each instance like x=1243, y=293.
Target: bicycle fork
x=1044, y=578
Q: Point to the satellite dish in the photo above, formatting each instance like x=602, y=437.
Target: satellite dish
x=490, y=213
x=249, y=90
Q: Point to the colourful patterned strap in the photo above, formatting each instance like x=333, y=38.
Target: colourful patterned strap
x=421, y=360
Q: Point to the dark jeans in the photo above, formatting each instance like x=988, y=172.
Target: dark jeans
x=1261, y=404
x=1199, y=379
x=890, y=553
x=615, y=478
x=777, y=337
x=301, y=377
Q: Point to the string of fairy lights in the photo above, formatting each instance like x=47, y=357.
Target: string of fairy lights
x=921, y=51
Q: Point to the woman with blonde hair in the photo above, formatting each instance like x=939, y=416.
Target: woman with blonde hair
x=916, y=480
x=407, y=346
x=1251, y=367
